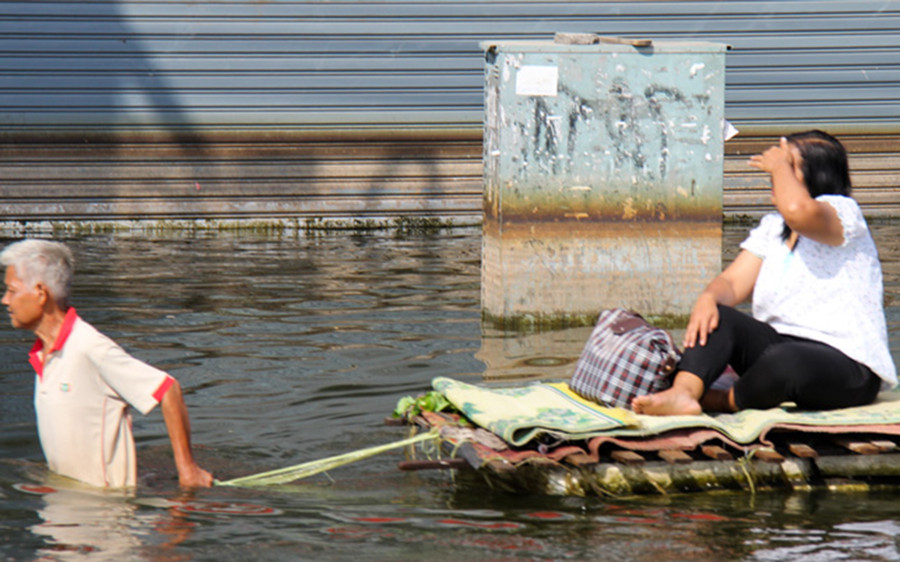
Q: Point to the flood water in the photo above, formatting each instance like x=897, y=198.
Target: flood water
x=293, y=347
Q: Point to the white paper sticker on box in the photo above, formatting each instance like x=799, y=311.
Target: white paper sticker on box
x=537, y=80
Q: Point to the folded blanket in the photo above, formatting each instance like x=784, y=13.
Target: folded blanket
x=520, y=414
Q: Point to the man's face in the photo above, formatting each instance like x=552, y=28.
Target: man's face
x=25, y=304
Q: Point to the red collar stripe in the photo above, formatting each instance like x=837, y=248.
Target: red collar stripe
x=66, y=330
x=34, y=356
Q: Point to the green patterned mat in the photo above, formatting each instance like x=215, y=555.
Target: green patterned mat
x=520, y=414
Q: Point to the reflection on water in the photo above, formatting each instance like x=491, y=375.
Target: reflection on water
x=295, y=348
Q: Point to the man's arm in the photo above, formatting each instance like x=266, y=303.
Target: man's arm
x=178, y=424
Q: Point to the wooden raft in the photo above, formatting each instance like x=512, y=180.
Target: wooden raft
x=797, y=461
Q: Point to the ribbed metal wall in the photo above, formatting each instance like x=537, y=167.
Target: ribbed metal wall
x=284, y=64
x=105, y=101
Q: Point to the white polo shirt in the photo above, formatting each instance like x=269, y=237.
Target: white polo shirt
x=82, y=395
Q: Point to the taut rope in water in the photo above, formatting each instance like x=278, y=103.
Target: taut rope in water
x=303, y=470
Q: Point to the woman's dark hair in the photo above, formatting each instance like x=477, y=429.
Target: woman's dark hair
x=825, y=168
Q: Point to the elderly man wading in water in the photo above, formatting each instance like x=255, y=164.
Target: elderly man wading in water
x=86, y=384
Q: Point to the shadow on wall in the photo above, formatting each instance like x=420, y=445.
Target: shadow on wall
x=88, y=107
x=99, y=67
x=120, y=110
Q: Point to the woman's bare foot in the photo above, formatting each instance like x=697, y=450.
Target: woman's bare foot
x=671, y=402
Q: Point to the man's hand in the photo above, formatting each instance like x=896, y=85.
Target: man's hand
x=194, y=477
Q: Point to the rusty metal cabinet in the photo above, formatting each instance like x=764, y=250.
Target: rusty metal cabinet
x=602, y=178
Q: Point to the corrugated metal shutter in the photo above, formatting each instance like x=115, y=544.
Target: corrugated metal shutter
x=191, y=82
x=286, y=64
x=334, y=183
x=874, y=165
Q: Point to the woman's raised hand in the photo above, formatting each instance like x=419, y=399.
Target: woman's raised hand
x=780, y=155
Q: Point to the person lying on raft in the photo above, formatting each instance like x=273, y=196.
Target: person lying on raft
x=817, y=336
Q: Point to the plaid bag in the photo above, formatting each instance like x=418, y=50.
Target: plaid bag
x=624, y=357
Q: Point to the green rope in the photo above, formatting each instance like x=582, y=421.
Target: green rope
x=744, y=464
x=296, y=472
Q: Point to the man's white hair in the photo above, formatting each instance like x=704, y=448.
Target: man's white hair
x=43, y=261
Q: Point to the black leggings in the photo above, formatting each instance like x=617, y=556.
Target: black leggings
x=775, y=368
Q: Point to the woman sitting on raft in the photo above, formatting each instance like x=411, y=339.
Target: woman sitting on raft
x=817, y=336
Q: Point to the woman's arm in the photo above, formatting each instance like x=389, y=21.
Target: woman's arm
x=731, y=287
x=807, y=217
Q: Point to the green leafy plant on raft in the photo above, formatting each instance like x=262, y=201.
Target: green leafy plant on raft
x=431, y=401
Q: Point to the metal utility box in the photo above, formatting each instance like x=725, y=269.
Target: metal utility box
x=602, y=178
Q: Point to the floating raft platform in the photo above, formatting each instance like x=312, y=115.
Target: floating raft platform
x=790, y=460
